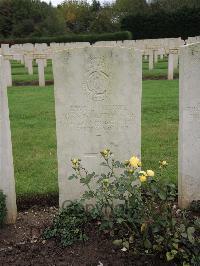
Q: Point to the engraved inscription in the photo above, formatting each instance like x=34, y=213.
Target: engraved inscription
x=97, y=77
x=104, y=118
x=195, y=51
x=97, y=84
x=193, y=112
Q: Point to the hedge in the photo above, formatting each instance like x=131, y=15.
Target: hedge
x=180, y=23
x=91, y=38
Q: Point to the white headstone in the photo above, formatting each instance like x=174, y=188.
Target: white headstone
x=171, y=66
x=41, y=74
x=7, y=181
x=98, y=105
x=189, y=127
x=150, y=60
x=8, y=72
x=30, y=64
x=156, y=56
x=5, y=50
x=175, y=61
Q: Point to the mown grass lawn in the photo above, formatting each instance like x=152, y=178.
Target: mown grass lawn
x=34, y=139
x=160, y=70
x=20, y=73
x=160, y=125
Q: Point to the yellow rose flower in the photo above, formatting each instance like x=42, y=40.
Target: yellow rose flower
x=143, y=173
x=74, y=161
x=150, y=173
x=106, y=183
x=163, y=163
x=143, y=178
x=130, y=171
x=105, y=153
x=134, y=162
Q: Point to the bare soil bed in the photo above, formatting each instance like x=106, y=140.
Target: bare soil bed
x=22, y=245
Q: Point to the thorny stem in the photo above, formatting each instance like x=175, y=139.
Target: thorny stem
x=81, y=176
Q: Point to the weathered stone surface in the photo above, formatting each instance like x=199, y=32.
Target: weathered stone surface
x=7, y=66
x=98, y=105
x=41, y=74
x=151, y=60
x=7, y=182
x=189, y=129
x=171, y=66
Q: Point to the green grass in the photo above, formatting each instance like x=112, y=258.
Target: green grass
x=160, y=125
x=20, y=72
x=34, y=142
x=160, y=69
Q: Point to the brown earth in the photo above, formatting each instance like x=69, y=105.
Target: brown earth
x=22, y=245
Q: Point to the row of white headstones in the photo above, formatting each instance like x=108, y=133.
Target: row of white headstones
x=152, y=49
x=98, y=104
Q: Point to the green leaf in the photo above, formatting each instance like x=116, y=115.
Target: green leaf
x=156, y=229
x=126, y=244
x=117, y=242
x=154, y=187
x=190, y=232
x=175, y=245
x=182, y=228
x=72, y=177
x=103, y=164
x=170, y=255
x=88, y=195
x=173, y=221
x=147, y=244
x=162, y=195
x=160, y=239
x=184, y=235
x=120, y=220
x=118, y=164
x=131, y=239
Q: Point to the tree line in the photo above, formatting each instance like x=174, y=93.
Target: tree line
x=145, y=19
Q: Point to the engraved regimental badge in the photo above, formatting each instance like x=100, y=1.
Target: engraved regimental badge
x=97, y=78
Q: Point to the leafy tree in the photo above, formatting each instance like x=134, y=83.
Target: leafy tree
x=77, y=15
x=105, y=20
x=133, y=7
x=172, y=5
x=96, y=6
x=23, y=18
x=6, y=18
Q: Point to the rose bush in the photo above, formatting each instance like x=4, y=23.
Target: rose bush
x=139, y=210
